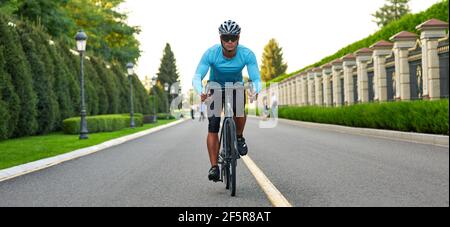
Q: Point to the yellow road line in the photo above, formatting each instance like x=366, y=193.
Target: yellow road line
x=274, y=196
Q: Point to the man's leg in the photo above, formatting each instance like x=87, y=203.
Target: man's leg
x=213, y=147
x=240, y=125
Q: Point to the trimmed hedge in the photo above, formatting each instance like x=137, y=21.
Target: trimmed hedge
x=414, y=116
x=164, y=116
x=101, y=123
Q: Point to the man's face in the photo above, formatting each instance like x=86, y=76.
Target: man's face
x=229, y=42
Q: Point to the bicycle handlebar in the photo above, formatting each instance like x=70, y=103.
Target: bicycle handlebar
x=247, y=86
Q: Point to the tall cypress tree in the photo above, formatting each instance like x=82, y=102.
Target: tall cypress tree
x=95, y=93
x=17, y=66
x=107, y=83
x=72, y=63
x=62, y=84
x=144, y=97
x=168, y=72
x=4, y=117
x=110, y=74
x=41, y=68
x=272, y=61
x=5, y=87
x=122, y=83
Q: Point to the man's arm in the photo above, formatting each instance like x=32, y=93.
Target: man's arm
x=200, y=73
x=253, y=72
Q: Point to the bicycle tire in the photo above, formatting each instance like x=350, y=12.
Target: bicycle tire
x=224, y=165
x=232, y=144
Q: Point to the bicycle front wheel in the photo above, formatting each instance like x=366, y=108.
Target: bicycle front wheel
x=232, y=155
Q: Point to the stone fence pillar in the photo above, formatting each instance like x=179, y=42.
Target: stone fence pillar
x=289, y=92
x=349, y=62
x=431, y=31
x=363, y=56
x=298, y=93
x=294, y=92
x=311, y=89
x=381, y=50
x=402, y=42
x=305, y=89
x=318, y=86
x=337, y=73
x=327, y=74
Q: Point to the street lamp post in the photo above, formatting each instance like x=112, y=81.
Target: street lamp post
x=130, y=69
x=173, y=93
x=166, y=88
x=154, y=99
x=81, y=39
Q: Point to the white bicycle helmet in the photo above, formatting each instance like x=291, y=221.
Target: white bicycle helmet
x=229, y=27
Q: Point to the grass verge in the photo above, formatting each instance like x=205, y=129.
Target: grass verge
x=19, y=151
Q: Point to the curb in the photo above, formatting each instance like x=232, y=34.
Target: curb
x=20, y=170
x=438, y=140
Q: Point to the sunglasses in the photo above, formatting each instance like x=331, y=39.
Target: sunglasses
x=228, y=38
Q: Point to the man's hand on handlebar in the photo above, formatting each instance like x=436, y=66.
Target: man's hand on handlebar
x=203, y=97
x=252, y=96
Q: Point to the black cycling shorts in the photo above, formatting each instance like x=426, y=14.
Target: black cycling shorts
x=215, y=119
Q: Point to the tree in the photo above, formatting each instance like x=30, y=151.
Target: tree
x=49, y=13
x=168, y=73
x=17, y=66
x=107, y=82
x=4, y=116
x=143, y=96
x=63, y=84
x=38, y=59
x=109, y=35
x=72, y=63
x=160, y=98
x=5, y=87
x=392, y=10
x=122, y=83
x=272, y=61
x=96, y=99
x=9, y=6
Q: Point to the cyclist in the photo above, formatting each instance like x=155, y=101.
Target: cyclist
x=226, y=62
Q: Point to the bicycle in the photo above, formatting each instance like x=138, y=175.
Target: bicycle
x=229, y=154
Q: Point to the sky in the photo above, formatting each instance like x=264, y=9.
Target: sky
x=306, y=30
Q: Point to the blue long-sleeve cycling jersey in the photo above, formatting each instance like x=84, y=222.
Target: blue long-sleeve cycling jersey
x=225, y=70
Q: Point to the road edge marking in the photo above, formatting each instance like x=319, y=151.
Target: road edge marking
x=273, y=194
x=20, y=170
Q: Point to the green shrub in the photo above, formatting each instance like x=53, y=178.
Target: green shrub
x=164, y=116
x=102, y=123
x=414, y=116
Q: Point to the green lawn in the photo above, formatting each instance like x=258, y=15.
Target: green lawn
x=19, y=151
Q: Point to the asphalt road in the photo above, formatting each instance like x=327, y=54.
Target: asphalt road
x=309, y=167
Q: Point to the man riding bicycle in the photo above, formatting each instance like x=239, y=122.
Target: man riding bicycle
x=226, y=62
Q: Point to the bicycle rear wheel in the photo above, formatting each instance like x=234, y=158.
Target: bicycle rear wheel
x=232, y=168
